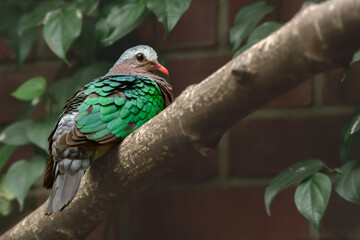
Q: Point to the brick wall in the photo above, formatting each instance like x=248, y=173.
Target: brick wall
x=221, y=197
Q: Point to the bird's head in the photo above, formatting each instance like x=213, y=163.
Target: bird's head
x=139, y=59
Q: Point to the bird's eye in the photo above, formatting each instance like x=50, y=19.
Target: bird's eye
x=140, y=57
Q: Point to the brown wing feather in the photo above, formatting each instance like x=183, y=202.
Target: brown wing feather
x=48, y=178
x=49, y=175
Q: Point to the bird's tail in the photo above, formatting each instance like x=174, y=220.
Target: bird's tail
x=63, y=191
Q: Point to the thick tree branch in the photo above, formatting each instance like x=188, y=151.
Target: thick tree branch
x=319, y=38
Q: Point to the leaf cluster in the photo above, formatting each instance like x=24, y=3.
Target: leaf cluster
x=246, y=26
x=74, y=31
x=313, y=187
x=62, y=22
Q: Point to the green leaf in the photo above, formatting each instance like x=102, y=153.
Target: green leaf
x=5, y=190
x=356, y=57
x=348, y=147
x=102, y=31
x=312, y=197
x=21, y=45
x=347, y=184
x=25, y=43
x=5, y=153
x=22, y=174
x=8, y=13
x=61, y=29
x=6, y=197
x=350, y=137
x=39, y=130
x=30, y=89
x=87, y=7
x=297, y=172
x=258, y=34
x=168, y=12
x=15, y=134
x=246, y=20
x=355, y=124
x=6, y=206
x=121, y=20
x=36, y=16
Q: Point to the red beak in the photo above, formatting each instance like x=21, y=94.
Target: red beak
x=161, y=68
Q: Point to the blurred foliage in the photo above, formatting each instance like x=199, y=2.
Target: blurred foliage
x=75, y=31
x=245, y=22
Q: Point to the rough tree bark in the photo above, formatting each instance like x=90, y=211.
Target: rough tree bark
x=320, y=38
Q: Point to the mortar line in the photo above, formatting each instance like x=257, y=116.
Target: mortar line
x=318, y=86
x=316, y=111
x=223, y=14
x=196, y=53
x=217, y=183
x=7, y=67
x=123, y=231
x=223, y=156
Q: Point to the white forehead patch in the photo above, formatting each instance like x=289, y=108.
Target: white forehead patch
x=148, y=52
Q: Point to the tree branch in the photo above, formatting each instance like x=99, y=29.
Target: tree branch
x=320, y=38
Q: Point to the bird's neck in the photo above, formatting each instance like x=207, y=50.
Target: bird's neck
x=125, y=68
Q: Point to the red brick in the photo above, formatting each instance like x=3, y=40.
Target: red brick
x=288, y=9
x=300, y=96
x=266, y=147
x=215, y=214
x=194, y=168
x=196, y=28
x=21, y=152
x=336, y=92
x=341, y=220
x=6, y=53
x=184, y=72
x=107, y=230
x=44, y=52
x=11, y=81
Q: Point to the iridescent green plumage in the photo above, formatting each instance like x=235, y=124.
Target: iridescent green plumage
x=118, y=105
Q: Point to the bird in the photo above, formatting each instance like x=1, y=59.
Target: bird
x=100, y=115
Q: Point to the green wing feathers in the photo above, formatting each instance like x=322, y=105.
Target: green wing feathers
x=117, y=106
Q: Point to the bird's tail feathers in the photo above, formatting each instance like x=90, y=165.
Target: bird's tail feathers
x=63, y=191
